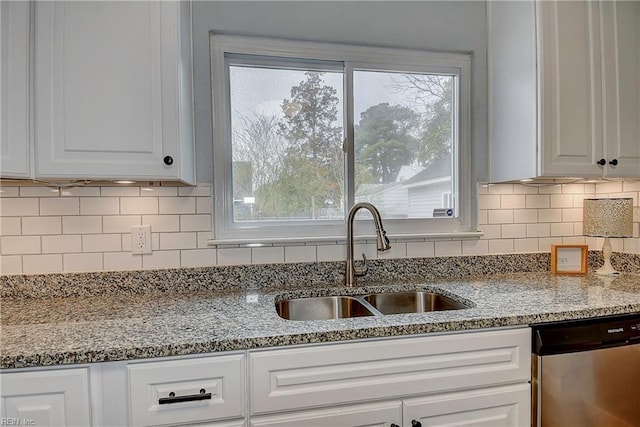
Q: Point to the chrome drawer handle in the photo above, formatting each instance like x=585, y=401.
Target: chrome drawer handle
x=203, y=395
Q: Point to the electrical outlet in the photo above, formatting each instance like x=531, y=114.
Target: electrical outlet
x=141, y=239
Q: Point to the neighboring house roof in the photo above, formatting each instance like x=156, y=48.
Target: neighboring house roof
x=435, y=173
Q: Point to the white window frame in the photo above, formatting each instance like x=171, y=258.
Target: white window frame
x=354, y=57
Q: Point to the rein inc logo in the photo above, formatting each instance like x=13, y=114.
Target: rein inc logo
x=10, y=421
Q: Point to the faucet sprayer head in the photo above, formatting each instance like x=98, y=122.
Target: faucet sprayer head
x=383, y=241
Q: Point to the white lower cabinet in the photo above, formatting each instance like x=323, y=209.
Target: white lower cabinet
x=186, y=391
x=476, y=378
x=384, y=414
x=490, y=407
x=46, y=398
x=471, y=378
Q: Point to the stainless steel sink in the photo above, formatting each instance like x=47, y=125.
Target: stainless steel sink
x=412, y=302
x=321, y=308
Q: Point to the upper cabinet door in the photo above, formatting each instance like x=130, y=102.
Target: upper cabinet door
x=621, y=87
x=111, y=80
x=14, y=89
x=570, y=92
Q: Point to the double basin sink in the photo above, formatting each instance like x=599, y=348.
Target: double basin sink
x=339, y=307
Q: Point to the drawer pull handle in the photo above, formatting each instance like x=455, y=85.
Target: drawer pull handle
x=415, y=423
x=186, y=398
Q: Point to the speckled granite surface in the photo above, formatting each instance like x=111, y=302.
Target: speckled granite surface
x=196, y=314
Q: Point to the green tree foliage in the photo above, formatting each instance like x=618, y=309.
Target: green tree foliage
x=313, y=166
x=385, y=139
x=433, y=96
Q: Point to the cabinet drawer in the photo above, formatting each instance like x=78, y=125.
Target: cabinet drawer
x=340, y=373
x=58, y=397
x=186, y=391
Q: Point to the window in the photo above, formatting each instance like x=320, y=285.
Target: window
x=304, y=130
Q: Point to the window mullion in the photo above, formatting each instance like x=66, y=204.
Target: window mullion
x=350, y=136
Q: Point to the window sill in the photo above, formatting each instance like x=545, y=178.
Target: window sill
x=286, y=241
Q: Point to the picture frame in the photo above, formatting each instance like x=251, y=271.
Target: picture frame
x=569, y=259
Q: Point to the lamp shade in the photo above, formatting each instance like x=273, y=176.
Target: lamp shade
x=607, y=217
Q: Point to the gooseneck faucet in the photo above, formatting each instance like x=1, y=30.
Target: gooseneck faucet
x=351, y=271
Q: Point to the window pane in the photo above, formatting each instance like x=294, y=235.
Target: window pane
x=287, y=134
x=403, y=143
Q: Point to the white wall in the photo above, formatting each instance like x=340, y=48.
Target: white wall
x=429, y=25
x=46, y=230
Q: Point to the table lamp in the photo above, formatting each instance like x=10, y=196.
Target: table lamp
x=607, y=218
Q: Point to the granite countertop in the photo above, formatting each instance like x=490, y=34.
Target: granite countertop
x=124, y=326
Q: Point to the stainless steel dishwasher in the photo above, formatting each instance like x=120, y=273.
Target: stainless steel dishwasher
x=587, y=373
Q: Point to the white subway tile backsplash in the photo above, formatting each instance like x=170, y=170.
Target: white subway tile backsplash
x=203, y=205
x=398, y=250
x=550, y=189
x=101, y=243
x=512, y=231
x=203, y=239
x=489, y=201
x=120, y=191
x=39, y=192
x=177, y=205
x=525, y=216
x=267, y=255
x=500, y=189
x=420, y=249
x=60, y=206
x=61, y=244
x=16, y=245
x=159, y=191
x=202, y=190
x=199, y=258
x=475, y=247
x=300, y=254
x=115, y=261
x=82, y=262
x=501, y=246
x=10, y=226
x=561, y=201
x=525, y=245
x=10, y=264
x=99, y=206
x=10, y=206
x=234, y=256
x=490, y=231
x=539, y=230
x=516, y=201
x=448, y=248
x=562, y=229
x=80, y=192
x=39, y=225
x=121, y=223
x=88, y=228
x=572, y=215
x=537, y=201
x=161, y=259
x=162, y=223
x=610, y=187
x=331, y=252
x=39, y=264
x=195, y=222
x=177, y=241
x=6, y=191
x=139, y=205
x=504, y=216
x=81, y=224
x=550, y=215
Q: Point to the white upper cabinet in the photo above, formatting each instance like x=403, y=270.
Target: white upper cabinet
x=14, y=89
x=113, y=90
x=564, y=89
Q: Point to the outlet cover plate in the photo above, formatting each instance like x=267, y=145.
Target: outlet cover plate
x=141, y=239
